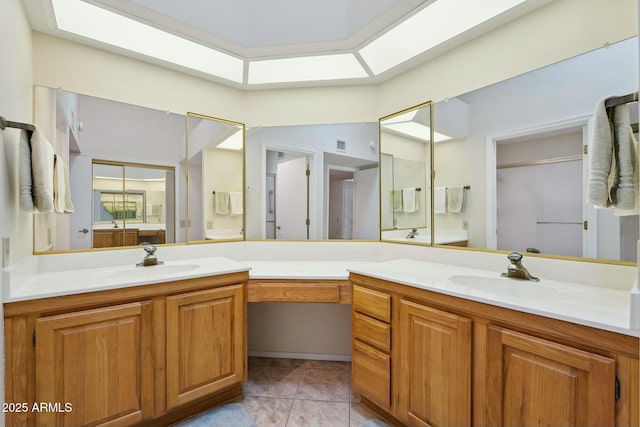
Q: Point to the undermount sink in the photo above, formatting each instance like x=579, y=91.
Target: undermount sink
x=151, y=271
x=503, y=285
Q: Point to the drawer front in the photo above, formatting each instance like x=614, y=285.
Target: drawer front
x=298, y=292
x=372, y=303
x=372, y=331
x=371, y=374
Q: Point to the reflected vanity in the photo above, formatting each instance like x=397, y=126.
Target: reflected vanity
x=119, y=199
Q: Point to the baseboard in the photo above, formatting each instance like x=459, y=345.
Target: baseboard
x=305, y=356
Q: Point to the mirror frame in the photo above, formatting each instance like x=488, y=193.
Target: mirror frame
x=431, y=174
x=244, y=168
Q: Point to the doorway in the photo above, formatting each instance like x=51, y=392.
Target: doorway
x=340, y=204
x=287, y=191
x=539, y=193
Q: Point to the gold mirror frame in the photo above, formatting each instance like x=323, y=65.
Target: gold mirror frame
x=243, y=183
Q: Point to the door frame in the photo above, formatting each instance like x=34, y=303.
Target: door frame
x=315, y=208
x=589, y=241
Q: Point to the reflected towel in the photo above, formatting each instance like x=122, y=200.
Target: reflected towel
x=409, y=200
x=59, y=187
x=624, y=143
x=42, y=171
x=235, y=200
x=602, y=163
x=68, y=203
x=636, y=163
x=26, y=183
x=440, y=200
x=221, y=203
x=455, y=199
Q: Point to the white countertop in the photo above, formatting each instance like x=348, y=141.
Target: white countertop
x=599, y=307
x=594, y=306
x=59, y=283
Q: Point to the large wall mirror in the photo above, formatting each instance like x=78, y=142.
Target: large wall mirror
x=216, y=179
x=513, y=174
x=125, y=174
x=405, y=175
x=313, y=182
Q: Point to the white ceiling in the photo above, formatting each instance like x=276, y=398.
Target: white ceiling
x=260, y=32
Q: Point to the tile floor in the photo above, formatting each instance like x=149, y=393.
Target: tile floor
x=295, y=393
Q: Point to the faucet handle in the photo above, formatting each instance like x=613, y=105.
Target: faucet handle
x=150, y=249
x=514, y=257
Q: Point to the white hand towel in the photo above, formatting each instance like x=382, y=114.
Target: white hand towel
x=59, y=187
x=235, y=200
x=42, y=172
x=440, y=200
x=409, y=200
x=601, y=157
x=68, y=203
x=623, y=135
x=455, y=199
x=26, y=183
x=221, y=203
x=636, y=166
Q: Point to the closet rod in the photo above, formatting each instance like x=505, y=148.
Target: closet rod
x=619, y=100
x=8, y=124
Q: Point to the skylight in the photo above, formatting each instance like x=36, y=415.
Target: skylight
x=304, y=69
x=78, y=17
x=416, y=130
x=439, y=22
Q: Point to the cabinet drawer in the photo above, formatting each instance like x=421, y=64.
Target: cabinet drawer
x=298, y=292
x=372, y=331
x=371, y=374
x=373, y=303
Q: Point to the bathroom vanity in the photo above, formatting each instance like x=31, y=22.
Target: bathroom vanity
x=427, y=357
x=151, y=354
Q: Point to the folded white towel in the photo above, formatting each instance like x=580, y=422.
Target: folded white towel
x=409, y=200
x=26, y=183
x=602, y=160
x=68, y=203
x=42, y=172
x=455, y=199
x=221, y=203
x=440, y=200
x=235, y=200
x=623, y=136
x=636, y=166
x=59, y=187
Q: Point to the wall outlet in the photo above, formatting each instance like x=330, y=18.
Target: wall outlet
x=5, y=252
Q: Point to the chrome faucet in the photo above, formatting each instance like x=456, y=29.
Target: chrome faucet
x=516, y=269
x=149, y=259
x=413, y=233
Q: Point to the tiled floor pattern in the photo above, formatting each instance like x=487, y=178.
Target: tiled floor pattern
x=296, y=393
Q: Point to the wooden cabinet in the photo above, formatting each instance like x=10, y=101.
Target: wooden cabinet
x=429, y=359
x=97, y=365
x=205, y=332
x=434, y=367
x=535, y=382
x=113, y=237
x=148, y=354
x=371, y=359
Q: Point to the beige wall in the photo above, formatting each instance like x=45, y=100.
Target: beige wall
x=15, y=104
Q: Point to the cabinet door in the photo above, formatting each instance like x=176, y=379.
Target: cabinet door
x=205, y=343
x=95, y=367
x=534, y=382
x=434, y=354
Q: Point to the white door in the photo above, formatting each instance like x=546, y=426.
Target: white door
x=366, y=216
x=292, y=199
